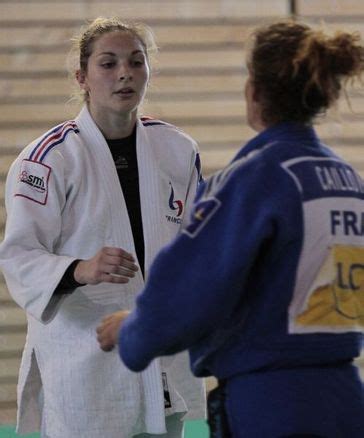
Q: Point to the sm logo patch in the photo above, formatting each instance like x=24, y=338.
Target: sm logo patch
x=33, y=181
x=202, y=213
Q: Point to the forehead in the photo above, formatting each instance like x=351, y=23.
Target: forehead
x=116, y=42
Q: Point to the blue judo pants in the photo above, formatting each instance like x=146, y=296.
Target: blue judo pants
x=322, y=402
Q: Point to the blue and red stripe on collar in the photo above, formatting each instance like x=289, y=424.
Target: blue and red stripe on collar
x=52, y=139
x=150, y=121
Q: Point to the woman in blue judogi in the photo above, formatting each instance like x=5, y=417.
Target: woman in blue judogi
x=266, y=289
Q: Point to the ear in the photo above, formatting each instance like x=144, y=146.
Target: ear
x=82, y=80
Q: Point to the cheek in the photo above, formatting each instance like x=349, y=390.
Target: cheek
x=247, y=90
x=144, y=79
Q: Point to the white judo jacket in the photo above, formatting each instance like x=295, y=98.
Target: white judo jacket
x=64, y=202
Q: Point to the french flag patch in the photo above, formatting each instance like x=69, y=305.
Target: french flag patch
x=201, y=214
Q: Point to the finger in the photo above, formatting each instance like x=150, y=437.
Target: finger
x=106, y=345
x=100, y=330
x=113, y=260
x=104, y=339
x=115, y=318
x=120, y=270
x=125, y=272
x=119, y=252
x=119, y=279
x=128, y=269
x=129, y=265
x=104, y=320
x=107, y=325
x=113, y=278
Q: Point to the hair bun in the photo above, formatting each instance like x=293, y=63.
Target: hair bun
x=347, y=55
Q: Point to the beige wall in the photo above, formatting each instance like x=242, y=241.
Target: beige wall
x=198, y=85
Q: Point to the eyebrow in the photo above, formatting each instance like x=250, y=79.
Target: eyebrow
x=134, y=52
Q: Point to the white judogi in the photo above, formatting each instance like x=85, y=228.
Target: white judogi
x=64, y=202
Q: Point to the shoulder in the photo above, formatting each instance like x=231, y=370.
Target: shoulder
x=38, y=156
x=160, y=128
x=53, y=139
x=259, y=169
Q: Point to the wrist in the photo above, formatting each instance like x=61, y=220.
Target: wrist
x=78, y=270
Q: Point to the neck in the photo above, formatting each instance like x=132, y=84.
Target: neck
x=116, y=125
x=256, y=122
x=254, y=116
x=259, y=126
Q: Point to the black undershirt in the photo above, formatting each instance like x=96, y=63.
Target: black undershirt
x=125, y=158
x=123, y=151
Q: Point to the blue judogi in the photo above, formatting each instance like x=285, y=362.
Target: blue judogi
x=265, y=287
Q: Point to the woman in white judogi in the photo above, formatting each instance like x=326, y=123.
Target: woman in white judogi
x=89, y=204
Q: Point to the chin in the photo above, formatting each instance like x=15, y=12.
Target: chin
x=128, y=108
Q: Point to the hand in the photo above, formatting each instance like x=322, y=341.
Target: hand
x=108, y=330
x=110, y=265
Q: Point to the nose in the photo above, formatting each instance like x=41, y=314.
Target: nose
x=125, y=73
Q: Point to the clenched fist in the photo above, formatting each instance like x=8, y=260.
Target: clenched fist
x=108, y=330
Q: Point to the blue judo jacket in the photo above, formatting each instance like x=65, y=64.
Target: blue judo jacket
x=269, y=272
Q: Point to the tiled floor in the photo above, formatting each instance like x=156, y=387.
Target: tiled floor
x=193, y=429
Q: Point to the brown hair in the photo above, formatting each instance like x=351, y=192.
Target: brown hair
x=82, y=44
x=297, y=72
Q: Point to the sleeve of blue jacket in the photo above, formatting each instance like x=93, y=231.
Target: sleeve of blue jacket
x=196, y=281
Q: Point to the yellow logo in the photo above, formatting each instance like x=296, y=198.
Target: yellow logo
x=337, y=297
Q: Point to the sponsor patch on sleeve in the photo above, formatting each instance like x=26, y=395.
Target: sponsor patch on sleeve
x=202, y=213
x=33, y=181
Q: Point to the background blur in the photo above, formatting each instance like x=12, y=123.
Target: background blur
x=197, y=85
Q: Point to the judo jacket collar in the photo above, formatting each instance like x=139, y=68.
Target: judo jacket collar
x=285, y=131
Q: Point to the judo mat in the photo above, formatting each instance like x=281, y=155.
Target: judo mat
x=193, y=429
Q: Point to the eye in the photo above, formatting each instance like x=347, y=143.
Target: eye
x=137, y=62
x=108, y=64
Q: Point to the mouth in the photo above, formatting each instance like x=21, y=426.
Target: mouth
x=125, y=92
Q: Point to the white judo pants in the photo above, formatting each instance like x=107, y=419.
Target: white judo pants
x=173, y=423
x=174, y=428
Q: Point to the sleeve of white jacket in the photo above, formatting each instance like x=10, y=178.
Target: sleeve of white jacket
x=30, y=266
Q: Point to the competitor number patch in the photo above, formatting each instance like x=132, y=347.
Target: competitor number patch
x=33, y=181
